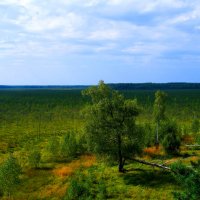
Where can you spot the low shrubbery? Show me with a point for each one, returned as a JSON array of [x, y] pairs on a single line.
[[171, 140], [10, 171], [67, 147], [34, 158], [88, 185], [189, 179]]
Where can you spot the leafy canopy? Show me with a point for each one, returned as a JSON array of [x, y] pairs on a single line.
[[110, 123]]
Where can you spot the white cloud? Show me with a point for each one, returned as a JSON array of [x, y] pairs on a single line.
[[191, 16], [147, 52], [43, 26], [104, 35]]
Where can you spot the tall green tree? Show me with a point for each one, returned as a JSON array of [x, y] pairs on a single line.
[[110, 124], [159, 111]]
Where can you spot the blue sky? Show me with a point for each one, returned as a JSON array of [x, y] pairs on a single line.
[[64, 42]]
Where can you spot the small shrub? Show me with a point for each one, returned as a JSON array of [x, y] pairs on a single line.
[[101, 190], [82, 146], [69, 146], [195, 126], [149, 135], [171, 141], [9, 175], [86, 186], [34, 158], [189, 179], [53, 147], [78, 188]]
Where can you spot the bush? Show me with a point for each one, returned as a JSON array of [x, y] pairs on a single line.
[[149, 135], [77, 188], [171, 140], [9, 175], [82, 146], [34, 158], [189, 179], [53, 147], [195, 126], [86, 186], [69, 146]]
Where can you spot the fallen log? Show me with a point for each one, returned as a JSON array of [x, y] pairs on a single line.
[[152, 164], [192, 145]]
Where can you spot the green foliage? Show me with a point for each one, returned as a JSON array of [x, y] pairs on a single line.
[[171, 140], [34, 158], [53, 147], [195, 126], [159, 106], [69, 145], [149, 134], [159, 111], [87, 186], [189, 179], [110, 124], [9, 175], [82, 146]]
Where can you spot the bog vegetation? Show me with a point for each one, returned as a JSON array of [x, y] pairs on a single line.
[[99, 143]]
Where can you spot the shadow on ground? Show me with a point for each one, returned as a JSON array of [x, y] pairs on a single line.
[[148, 178]]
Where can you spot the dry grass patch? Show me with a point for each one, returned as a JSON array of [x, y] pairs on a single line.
[[188, 139], [153, 151], [192, 158], [69, 169], [55, 190]]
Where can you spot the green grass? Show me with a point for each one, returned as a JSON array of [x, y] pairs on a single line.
[[139, 182]]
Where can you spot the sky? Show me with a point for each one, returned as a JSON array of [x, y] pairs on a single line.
[[74, 42]]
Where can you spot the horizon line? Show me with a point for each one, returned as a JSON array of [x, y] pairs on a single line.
[[63, 85]]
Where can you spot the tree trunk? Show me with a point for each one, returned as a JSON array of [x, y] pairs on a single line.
[[121, 167], [120, 158], [157, 140]]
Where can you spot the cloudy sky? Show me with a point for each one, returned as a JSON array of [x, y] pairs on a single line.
[[83, 41]]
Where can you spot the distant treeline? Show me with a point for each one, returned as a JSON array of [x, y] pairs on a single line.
[[43, 86], [154, 86], [116, 86]]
